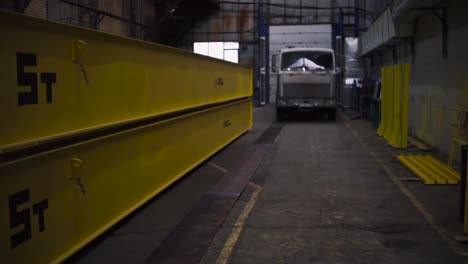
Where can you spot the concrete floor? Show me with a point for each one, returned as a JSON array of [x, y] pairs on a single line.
[[134, 239], [324, 199]]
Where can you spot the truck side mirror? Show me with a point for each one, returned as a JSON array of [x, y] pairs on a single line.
[[274, 62]]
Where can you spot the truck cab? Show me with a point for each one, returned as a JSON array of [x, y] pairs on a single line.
[[306, 81]]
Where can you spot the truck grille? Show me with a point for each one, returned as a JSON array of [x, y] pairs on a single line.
[[295, 90]]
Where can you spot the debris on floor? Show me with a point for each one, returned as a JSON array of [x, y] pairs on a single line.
[[420, 145]]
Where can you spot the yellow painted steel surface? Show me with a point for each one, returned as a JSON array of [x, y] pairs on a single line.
[[86, 79], [90, 186], [387, 100], [395, 96], [429, 169], [55, 200], [465, 224]]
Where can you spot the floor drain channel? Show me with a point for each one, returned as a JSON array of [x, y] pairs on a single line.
[[269, 136]]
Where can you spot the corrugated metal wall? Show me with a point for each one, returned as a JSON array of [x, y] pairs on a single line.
[[439, 86]]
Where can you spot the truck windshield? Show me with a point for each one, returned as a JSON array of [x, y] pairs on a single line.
[[306, 60]]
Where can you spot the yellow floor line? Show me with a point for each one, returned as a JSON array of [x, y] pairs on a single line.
[[416, 203], [238, 226], [216, 166]]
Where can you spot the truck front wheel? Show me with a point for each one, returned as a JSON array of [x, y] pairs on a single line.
[[332, 114]]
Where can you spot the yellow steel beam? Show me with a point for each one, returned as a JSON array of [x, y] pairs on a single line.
[[395, 95], [60, 80], [405, 85], [427, 172], [390, 100], [442, 166], [394, 135], [430, 169], [440, 179], [56, 202], [441, 174], [94, 125], [416, 169]]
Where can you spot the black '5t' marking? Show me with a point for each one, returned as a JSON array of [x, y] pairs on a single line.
[[30, 79]]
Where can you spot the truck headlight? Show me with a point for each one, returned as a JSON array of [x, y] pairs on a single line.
[[283, 102]]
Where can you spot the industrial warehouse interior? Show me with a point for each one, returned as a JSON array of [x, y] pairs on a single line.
[[240, 131]]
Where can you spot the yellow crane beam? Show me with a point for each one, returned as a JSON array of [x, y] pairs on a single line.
[[94, 125]]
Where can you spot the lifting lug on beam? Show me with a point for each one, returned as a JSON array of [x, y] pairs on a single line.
[[78, 49]]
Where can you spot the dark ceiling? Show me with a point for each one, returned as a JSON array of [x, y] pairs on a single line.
[[178, 17]]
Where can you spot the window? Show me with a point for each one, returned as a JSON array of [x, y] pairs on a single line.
[[228, 51], [311, 60]]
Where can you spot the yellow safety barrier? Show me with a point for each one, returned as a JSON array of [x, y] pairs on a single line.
[[92, 129], [429, 169], [395, 95]]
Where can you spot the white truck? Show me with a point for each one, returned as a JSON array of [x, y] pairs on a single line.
[[305, 81]]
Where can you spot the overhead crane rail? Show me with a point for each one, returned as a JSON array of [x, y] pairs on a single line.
[[94, 125]]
